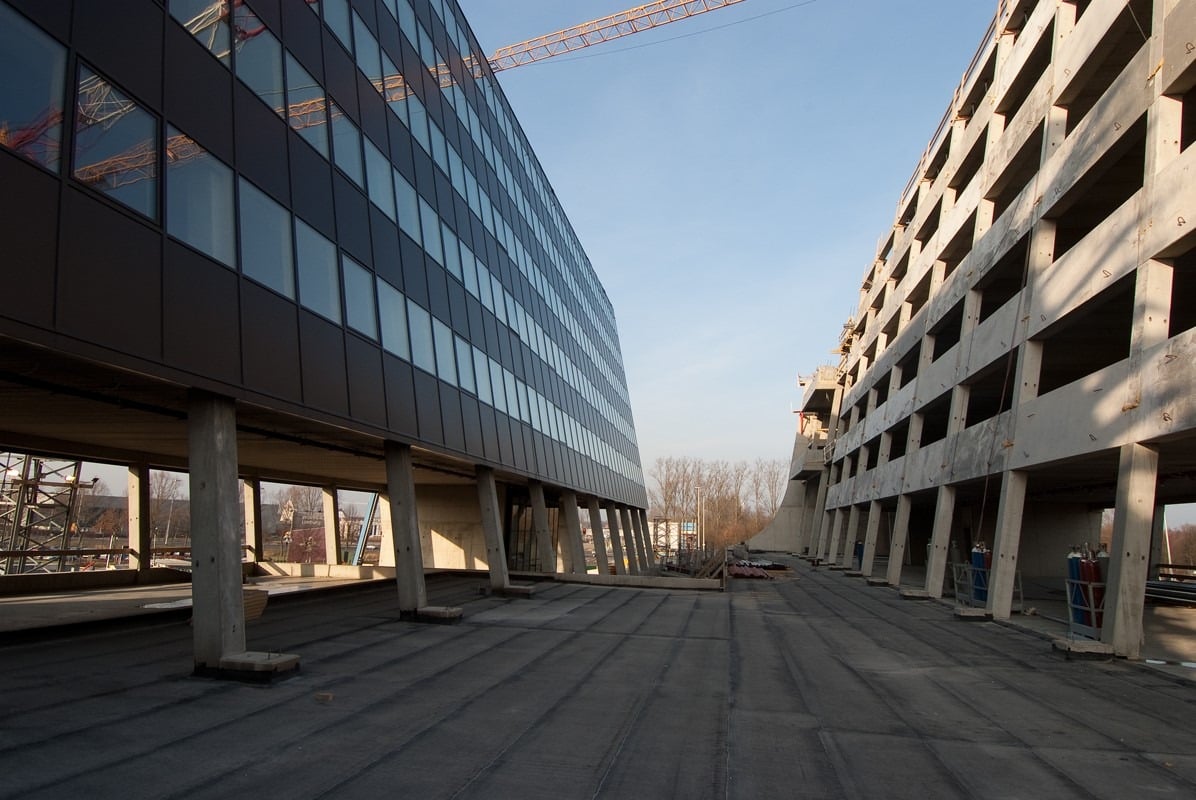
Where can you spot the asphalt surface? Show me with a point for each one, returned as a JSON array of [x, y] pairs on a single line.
[[809, 686]]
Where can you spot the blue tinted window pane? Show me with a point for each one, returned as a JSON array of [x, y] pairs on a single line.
[[259, 58], [430, 224], [464, 364], [496, 380], [446, 362], [423, 354], [116, 145], [481, 369], [369, 55], [359, 298], [346, 145], [336, 17], [394, 89], [408, 202], [306, 107], [392, 316], [452, 251], [207, 21], [266, 240], [418, 124], [199, 198], [319, 279], [407, 20], [31, 108], [469, 271], [379, 179]]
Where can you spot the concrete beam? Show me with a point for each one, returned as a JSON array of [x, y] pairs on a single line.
[[403, 518], [496, 551]]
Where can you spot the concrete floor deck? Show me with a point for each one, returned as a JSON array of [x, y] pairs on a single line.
[[812, 685]]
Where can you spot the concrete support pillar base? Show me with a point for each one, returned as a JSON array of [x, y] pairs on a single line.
[[914, 594], [252, 667], [1083, 649], [972, 614], [872, 581], [433, 615]]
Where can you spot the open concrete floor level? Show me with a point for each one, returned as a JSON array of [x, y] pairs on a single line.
[[812, 685]]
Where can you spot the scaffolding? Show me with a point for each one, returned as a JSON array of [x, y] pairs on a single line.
[[38, 505]]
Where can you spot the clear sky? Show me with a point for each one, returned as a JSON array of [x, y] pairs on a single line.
[[730, 177]]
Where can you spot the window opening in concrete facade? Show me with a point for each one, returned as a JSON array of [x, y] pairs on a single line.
[[946, 331], [31, 108], [990, 391], [1119, 174], [969, 165], [1183, 293], [909, 365], [1081, 7], [1028, 76], [936, 417], [872, 447], [960, 245], [1004, 280], [899, 439], [980, 84], [900, 269], [1018, 173], [1089, 338], [1187, 124], [1116, 49], [882, 389], [111, 125], [931, 225]]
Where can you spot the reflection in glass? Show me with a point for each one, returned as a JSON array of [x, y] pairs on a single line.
[[207, 21], [430, 224], [395, 91], [500, 396], [266, 254], [481, 369], [392, 314], [452, 252], [464, 364], [369, 54], [419, 321], [418, 124], [199, 198], [359, 298], [31, 107], [336, 17], [346, 145], [319, 280], [259, 57], [306, 109], [116, 145]]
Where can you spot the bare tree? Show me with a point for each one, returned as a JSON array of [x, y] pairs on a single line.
[[169, 519]]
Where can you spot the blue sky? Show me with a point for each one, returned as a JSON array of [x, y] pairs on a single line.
[[730, 176]]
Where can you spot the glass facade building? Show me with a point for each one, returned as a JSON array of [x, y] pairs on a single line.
[[319, 208]]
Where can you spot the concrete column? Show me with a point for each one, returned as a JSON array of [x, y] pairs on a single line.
[[817, 516], [900, 537], [332, 526], [251, 493], [836, 536], [631, 523], [545, 555], [633, 561], [599, 539], [1129, 557], [849, 536], [218, 607], [1002, 577], [572, 544], [616, 546], [805, 530], [649, 544], [496, 551], [940, 540], [871, 532], [404, 528], [141, 538], [386, 548]]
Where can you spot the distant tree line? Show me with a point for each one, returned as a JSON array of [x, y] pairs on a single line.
[[733, 499]]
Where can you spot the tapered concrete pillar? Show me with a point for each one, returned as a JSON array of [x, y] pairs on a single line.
[[404, 526], [141, 538], [332, 526], [616, 546], [646, 533], [251, 494], [496, 551], [1002, 576], [386, 548], [572, 545], [875, 511], [836, 536], [850, 535], [1133, 519], [900, 537], [596, 534], [633, 560], [940, 540], [218, 608], [545, 555]]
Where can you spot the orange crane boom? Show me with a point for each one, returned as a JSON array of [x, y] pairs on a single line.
[[624, 23]]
